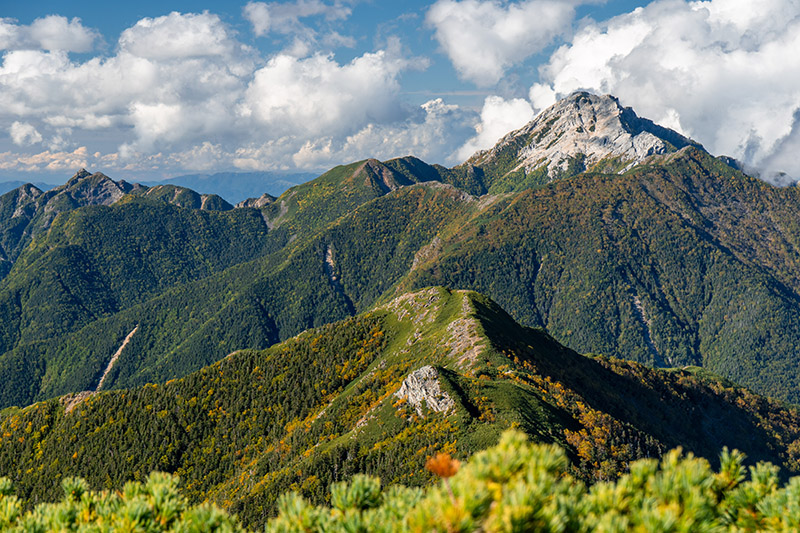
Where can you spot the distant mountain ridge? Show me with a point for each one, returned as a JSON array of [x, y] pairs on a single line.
[[679, 260], [236, 187], [6, 186], [27, 211]]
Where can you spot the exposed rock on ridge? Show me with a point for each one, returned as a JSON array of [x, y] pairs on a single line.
[[28, 211], [582, 132], [262, 201], [183, 197], [94, 189], [421, 387], [380, 177]]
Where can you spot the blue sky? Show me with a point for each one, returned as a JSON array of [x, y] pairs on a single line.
[[370, 24], [155, 89]]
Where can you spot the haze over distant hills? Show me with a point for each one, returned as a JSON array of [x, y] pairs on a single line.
[[238, 186], [6, 186]]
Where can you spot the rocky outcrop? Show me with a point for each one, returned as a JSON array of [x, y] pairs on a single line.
[[183, 197], [378, 176], [427, 253], [422, 388], [92, 189], [578, 133], [71, 401], [24, 200], [28, 211], [262, 201]]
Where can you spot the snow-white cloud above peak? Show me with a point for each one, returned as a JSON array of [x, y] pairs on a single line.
[[484, 38], [719, 70], [314, 83], [498, 117]]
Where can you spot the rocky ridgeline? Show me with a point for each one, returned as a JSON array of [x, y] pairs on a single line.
[[262, 201], [94, 189], [583, 130], [81, 190], [28, 211]]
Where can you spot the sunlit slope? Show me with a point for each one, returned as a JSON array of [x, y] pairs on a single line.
[[184, 326], [430, 371]]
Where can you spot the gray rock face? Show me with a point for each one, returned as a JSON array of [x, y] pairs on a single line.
[[25, 200], [95, 189], [263, 200], [421, 387], [584, 130], [28, 211]]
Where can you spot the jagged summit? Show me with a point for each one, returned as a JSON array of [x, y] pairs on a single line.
[[28, 211], [85, 188], [581, 132], [262, 201], [81, 173]]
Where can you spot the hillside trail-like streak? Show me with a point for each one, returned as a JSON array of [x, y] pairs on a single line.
[[115, 357]]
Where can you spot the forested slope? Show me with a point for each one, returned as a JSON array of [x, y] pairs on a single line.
[[670, 257], [432, 371], [199, 284], [681, 262]]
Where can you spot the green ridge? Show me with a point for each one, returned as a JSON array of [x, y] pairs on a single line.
[[321, 407]]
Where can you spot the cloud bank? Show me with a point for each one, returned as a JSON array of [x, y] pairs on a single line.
[[48, 33], [186, 91], [484, 38], [721, 71], [182, 91]]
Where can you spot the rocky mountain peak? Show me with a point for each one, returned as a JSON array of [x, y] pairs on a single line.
[[581, 132], [380, 177], [94, 189], [82, 173]]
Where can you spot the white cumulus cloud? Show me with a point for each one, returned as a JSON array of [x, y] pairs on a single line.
[[183, 92], [52, 32], [319, 96], [23, 134], [431, 134], [484, 38], [498, 117], [174, 79], [259, 16], [284, 17], [178, 35], [722, 71]]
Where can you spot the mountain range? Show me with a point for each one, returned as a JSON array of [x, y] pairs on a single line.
[[237, 186], [6, 186], [589, 230]]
